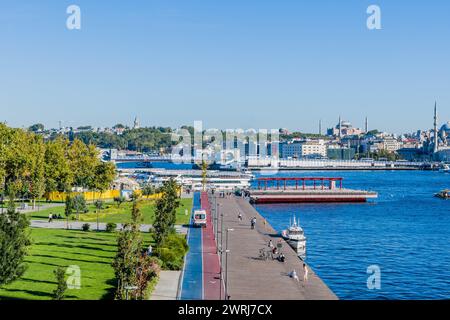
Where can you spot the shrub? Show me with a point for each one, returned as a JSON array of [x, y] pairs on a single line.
[[60, 274], [111, 227], [86, 227], [172, 252]]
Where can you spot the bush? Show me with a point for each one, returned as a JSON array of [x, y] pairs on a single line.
[[86, 227], [173, 251], [111, 227]]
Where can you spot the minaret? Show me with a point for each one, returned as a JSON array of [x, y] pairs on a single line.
[[320, 127], [340, 132], [136, 124], [367, 125], [436, 138]]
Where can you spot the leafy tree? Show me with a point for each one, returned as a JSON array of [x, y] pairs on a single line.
[[83, 161], [99, 204], [148, 190], [38, 127], [75, 204], [165, 213], [127, 260], [58, 174], [105, 172], [14, 242], [60, 274], [119, 200]]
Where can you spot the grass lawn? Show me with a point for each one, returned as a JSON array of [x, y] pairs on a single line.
[[112, 213], [92, 252]]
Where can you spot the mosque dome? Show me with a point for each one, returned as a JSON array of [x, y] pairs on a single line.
[[446, 128]]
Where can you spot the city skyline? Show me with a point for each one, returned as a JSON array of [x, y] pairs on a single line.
[[231, 65]]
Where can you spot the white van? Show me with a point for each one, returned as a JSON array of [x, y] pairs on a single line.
[[199, 218]]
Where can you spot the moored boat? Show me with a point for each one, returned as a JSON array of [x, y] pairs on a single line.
[[444, 194], [295, 237]]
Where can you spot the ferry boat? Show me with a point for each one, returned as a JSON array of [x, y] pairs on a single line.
[[295, 237], [444, 194], [216, 180]]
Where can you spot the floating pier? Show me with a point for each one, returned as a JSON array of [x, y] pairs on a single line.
[[306, 189], [245, 276]]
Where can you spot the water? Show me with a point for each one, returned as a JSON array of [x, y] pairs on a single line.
[[405, 232]]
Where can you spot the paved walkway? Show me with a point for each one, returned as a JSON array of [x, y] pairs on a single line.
[[201, 272], [192, 275], [77, 225], [250, 278], [167, 286]]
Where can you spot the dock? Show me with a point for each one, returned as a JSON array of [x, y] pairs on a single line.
[[244, 274], [306, 189]]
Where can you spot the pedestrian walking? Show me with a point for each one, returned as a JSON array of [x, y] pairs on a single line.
[[50, 217], [240, 216], [252, 223], [305, 274], [270, 245]]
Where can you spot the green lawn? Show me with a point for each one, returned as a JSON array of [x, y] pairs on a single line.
[[112, 213], [92, 252]]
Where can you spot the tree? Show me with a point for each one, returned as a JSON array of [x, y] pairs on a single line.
[[83, 161], [75, 204], [60, 274], [58, 175], [38, 127], [126, 262], [105, 172], [14, 242], [148, 190], [165, 213], [119, 200]]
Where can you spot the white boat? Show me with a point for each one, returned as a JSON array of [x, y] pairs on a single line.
[[295, 236], [445, 168]]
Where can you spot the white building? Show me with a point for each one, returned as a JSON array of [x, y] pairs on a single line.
[[304, 149]]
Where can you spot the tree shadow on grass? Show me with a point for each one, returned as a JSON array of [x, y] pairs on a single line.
[[30, 292], [64, 252], [68, 259], [109, 295], [79, 246], [84, 237]]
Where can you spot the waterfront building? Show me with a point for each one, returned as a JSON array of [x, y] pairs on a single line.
[[337, 152], [304, 149]]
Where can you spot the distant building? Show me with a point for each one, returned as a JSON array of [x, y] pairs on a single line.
[[337, 152], [304, 149], [344, 128]]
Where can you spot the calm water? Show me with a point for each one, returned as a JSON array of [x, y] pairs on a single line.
[[406, 232]]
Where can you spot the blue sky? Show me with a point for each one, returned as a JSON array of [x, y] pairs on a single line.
[[232, 64]]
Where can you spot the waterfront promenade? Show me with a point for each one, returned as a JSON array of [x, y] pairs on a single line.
[[250, 278]]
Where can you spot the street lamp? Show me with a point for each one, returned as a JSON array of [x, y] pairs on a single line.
[[226, 264]]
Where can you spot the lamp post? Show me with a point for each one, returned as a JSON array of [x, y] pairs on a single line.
[[217, 226], [226, 264]]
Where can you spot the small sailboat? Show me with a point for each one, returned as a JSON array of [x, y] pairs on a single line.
[[295, 236]]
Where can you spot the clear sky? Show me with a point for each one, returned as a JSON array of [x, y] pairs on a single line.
[[230, 63]]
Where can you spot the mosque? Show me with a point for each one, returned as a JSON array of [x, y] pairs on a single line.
[[441, 140]]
